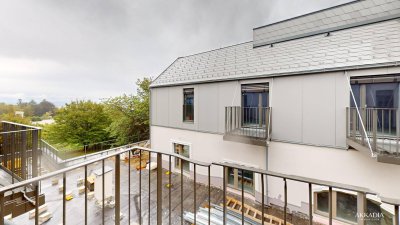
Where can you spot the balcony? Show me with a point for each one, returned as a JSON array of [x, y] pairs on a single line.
[[126, 193], [250, 125], [375, 131]]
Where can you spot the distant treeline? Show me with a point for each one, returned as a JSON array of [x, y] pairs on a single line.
[[32, 111]]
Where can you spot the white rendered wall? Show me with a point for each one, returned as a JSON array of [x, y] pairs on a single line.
[[206, 147], [347, 167]]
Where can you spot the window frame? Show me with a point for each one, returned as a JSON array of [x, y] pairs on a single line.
[[186, 91]]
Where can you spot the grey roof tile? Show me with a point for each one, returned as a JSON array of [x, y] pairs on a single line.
[[345, 16], [369, 44]]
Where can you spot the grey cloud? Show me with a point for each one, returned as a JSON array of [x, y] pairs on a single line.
[[98, 48]]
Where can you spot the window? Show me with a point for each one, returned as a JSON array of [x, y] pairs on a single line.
[[254, 104], [184, 151], [235, 178], [345, 207], [188, 105]]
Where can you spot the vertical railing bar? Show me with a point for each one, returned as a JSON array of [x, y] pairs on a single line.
[[64, 203], [194, 192], [285, 206], [242, 184], [86, 205], [181, 190], [224, 194], [262, 199], [159, 188], [117, 189], [37, 203], [103, 193], [396, 215], [209, 195], [169, 190], [310, 212], [149, 205], [140, 187], [129, 186], [330, 205], [2, 207]]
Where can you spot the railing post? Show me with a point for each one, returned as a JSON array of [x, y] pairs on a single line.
[[2, 209], [361, 207], [159, 188], [117, 189], [397, 130], [35, 137], [374, 129], [37, 203], [396, 215], [330, 201], [23, 155], [310, 208], [354, 124]]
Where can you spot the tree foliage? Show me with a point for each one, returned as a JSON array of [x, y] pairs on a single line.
[[79, 123], [130, 114]]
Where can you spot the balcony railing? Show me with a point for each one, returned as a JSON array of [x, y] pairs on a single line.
[[153, 197], [376, 129], [250, 122], [19, 150]]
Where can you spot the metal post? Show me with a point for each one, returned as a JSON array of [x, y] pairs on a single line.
[[396, 215], [209, 195], [149, 205], [23, 155], [86, 205], [169, 191], [285, 195], [330, 205], [242, 184], [194, 192], [159, 188], [140, 187], [64, 203], [103, 192], [37, 203], [2, 207], [374, 129], [224, 195], [310, 208], [181, 190], [117, 189], [129, 187], [35, 138], [262, 199]]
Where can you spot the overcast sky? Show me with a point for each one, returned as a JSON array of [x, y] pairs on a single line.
[[93, 49]]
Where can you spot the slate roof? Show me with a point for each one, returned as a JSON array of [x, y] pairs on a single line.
[[355, 13], [368, 45]]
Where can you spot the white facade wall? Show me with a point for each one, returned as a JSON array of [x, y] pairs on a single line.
[[308, 132]]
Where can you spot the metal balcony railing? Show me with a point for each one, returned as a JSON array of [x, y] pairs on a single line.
[[19, 150], [375, 128], [251, 122], [141, 208]]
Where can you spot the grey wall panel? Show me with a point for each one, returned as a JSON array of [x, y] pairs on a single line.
[[287, 109], [153, 105], [229, 95], [175, 107], [208, 107], [318, 99], [342, 101], [162, 101]]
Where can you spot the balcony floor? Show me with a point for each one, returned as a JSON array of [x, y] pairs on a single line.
[[75, 207]]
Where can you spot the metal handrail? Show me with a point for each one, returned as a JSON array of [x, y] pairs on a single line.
[[285, 177]]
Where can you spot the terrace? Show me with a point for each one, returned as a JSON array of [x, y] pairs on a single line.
[[132, 195]]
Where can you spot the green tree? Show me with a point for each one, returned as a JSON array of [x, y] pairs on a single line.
[[11, 117], [43, 107], [130, 114], [79, 123]]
